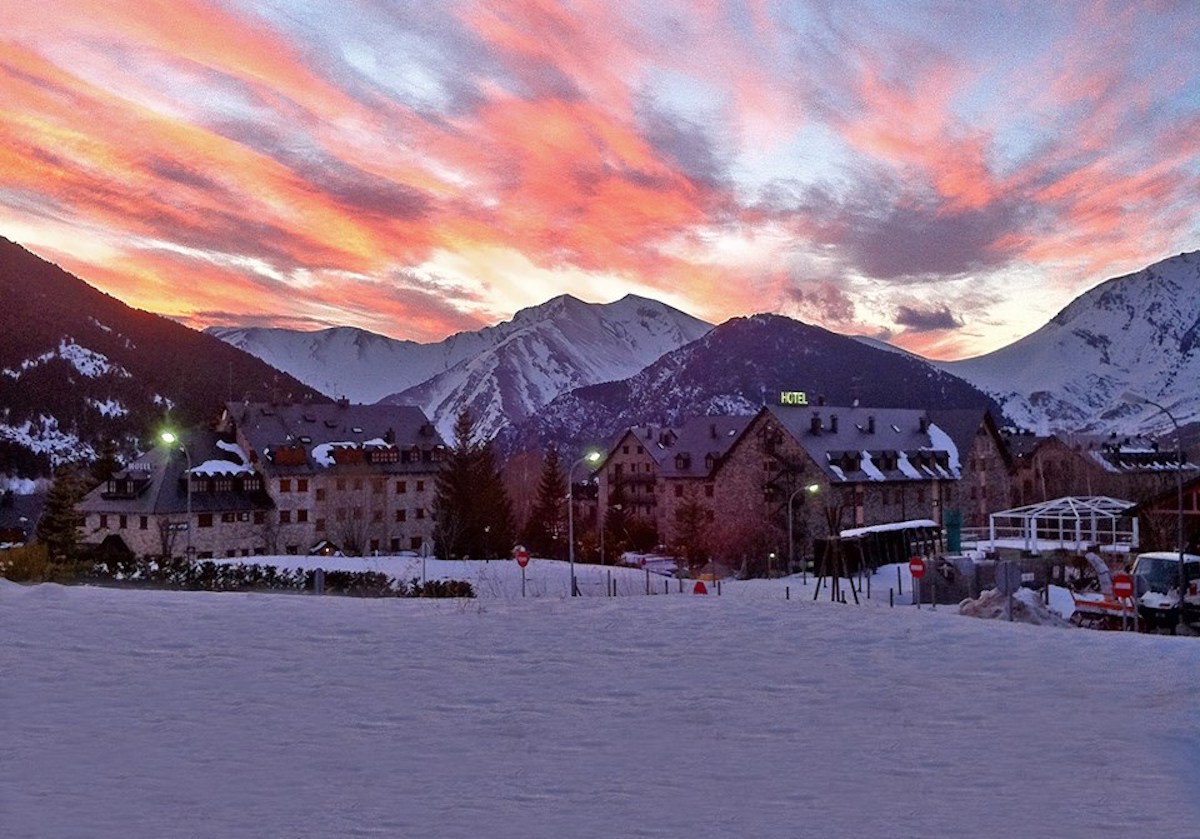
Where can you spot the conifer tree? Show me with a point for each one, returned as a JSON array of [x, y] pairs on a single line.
[[545, 532], [59, 526], [106, 463], [474, 512]]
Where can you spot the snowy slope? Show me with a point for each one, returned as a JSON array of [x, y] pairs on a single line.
[[149, 714], [1140, 332], [350, 362], [548, 350]]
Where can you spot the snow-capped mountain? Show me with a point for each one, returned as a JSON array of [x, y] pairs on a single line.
[[737, 368], [548, 350], [80, 369], [1138, 333], [346, 361]]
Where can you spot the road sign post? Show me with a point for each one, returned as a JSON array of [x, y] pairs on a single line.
[[521, 555], [916, 567], [1122, 587]]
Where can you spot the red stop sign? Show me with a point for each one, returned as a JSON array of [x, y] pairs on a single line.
[[522, 556], [916, 567], [1122, 586]]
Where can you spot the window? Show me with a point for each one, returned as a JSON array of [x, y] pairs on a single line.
[[624, 449], [122, 521], [251, 484], [395, 546], [223, 483], [679, 490], [377, 515], [341, 514], [357, 513], [401, 515], [340, 484], [358, 484], [293, 549], [302, 516], [143, 522], [320, 525], [377, 485], [231, 552], [285, 516], [302, 485], [420, 512], [204, 520], [285, 484], [374, 546], [420, 486], [260, 517], [103, 521], [401, 487], [204, 555], [414, 543], [320, 493], [228, 518]]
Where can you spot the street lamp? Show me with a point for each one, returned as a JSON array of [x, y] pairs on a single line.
[[1137, 399], [812, 490], [170, 438], [590, 457]]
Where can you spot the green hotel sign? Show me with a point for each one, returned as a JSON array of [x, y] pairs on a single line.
[[793, 397]]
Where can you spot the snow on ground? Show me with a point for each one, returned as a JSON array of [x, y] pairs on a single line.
[[151, 713]]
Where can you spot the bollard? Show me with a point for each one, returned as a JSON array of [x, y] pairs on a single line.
[[892, 598], [787, 592], [647, 581], [608, 586], [868, 586], [718, 588], [666, 586], [899, 581], [319, 581]]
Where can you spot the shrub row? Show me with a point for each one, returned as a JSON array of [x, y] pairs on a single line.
[[211, 576]]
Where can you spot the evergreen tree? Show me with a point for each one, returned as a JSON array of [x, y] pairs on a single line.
[[545, 532], [474, 513], [60, 522]]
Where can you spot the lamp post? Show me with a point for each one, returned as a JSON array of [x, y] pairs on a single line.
[[590, 457], [1137, 399], [811, 489], [170, 439]]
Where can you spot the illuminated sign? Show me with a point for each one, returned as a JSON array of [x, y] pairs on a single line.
[[793, 397]]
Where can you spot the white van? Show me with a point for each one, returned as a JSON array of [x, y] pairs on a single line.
[[1156, 583]]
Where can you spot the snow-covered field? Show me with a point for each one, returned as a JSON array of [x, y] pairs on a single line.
[[152, 714]]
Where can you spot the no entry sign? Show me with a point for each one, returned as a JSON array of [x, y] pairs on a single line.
[[916, 567], [1122, 586], [521, 555]]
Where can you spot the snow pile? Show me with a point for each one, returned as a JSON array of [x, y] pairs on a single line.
[[1027, 607]]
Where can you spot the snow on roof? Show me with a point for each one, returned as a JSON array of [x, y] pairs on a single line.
[[322, 455], [941, 441], [883, 528], [221, 467], [234, 449]]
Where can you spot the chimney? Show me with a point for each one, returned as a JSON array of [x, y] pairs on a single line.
[[343, 402], [923, 424], [833, 423], [871, 424], [821, 399], [815, 425], [712, 430]]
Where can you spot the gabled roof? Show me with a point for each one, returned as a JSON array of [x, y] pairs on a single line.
[[693, 449], [857, 444], [159, 487], [318, 429]]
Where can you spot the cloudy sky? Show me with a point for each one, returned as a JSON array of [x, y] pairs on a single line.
[[946, 175]]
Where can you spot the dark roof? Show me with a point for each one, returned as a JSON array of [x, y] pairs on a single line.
[[850, 444], [21, 512], [158, 485], [692, 449], [270, 427]]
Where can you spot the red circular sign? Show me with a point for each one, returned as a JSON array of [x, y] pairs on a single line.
[[916, 567], [1122, 586], [522, 556]]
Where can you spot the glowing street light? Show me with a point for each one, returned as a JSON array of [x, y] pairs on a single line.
[[590, 457], [170, 438], [811, 489]]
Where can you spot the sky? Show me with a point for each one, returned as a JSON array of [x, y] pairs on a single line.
[[943, 175]]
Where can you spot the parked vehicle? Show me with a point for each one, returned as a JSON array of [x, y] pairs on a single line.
[[1156, 581]]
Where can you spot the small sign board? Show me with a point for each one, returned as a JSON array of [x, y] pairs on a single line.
[[1008, 576], [1122, 586], [521, 555], [916, 567]]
